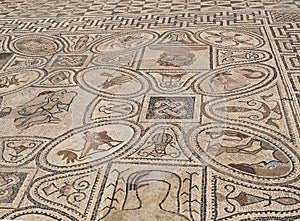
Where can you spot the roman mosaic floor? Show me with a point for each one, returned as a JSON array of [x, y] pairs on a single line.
[[150, 110]]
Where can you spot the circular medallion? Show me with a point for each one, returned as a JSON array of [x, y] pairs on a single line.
[[113, 81], [36, 45]]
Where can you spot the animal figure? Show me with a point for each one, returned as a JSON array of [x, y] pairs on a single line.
[[161, 144], [93, 141], [4, 111], [6, 82], [128, 41], [96, 139], [43, 108], [118, 80], [68, 155], [245, 146]]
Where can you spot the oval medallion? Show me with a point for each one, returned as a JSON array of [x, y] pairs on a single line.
[[234, 80], [18, 80], [113, 81], [125, 41], [234, 150], [230, 38], [36, 45], [90, 145]]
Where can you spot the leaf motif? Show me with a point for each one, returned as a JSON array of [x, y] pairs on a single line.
[[286, 201]]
